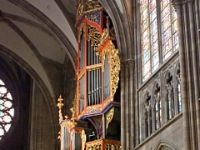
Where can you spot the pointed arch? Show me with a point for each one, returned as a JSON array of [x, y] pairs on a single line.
[[165, 145]]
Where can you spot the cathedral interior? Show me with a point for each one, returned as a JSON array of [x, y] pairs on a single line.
[[99, 75]]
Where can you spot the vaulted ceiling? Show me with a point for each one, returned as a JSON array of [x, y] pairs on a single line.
[[35, 29], [31, 30]]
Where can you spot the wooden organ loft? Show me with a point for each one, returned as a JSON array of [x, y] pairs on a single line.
[[95, 121]]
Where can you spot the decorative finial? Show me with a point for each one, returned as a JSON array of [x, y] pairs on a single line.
[[60, 105]]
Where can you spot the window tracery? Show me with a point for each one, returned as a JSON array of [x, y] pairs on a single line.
[[163, 102], [157, 15], [6, 109], [158, 108], [178, 85], [148, 114], [170, 97]]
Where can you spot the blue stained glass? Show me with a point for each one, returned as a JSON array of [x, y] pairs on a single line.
[[179, 98], [153, 15], [166, 35], [166, 23], [146, 56], [155, 59], [154, 25]]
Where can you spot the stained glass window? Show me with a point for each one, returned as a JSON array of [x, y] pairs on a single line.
[[6, 109], [149, 29], [179, 98], [169, 108], [169, 28], [150, 52]]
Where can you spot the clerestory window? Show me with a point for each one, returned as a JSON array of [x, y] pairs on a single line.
[[159, 37]]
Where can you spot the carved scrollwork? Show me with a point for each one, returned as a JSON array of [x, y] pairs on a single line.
[[79, 13], [111, 144], [92, 5], [104, 37], [94, 109], [84, 138], [94, 36], [74, 108], [114, 64], [109, 117], [94, 145], [66, 124]]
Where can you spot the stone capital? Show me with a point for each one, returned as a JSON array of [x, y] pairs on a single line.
[[180, 2], [128, 63]]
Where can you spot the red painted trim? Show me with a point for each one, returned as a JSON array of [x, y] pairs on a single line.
[[85, 64], [94, 25], [105, 44]]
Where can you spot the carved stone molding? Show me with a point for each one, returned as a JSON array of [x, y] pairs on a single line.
[[128, 63], [180, 2]]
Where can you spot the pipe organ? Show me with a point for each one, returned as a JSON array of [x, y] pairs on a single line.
[[95, 121]]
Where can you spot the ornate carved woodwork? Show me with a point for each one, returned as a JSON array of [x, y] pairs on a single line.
[[95, 112]]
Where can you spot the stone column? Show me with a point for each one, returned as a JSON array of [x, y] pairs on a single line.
[[123, 129], [127, 104], [132, 84], [195, 70], [182, 56], [41, 124]]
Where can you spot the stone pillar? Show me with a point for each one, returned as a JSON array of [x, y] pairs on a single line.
[[127, 105], [41, 124], [123, 129], [195, 72], [184, 92], [132, 84]]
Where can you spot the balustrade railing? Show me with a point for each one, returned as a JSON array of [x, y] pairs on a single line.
[[103, 144]]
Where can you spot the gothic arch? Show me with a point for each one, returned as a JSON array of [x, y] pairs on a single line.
[[71, 51], [122, 30], [48, 97], [156, 87], [165, 145]]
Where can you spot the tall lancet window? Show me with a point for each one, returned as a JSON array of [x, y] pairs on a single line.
[[178, 76], [179, 98], [149, 41], [158, 23], [158, 108], [169, 28]]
